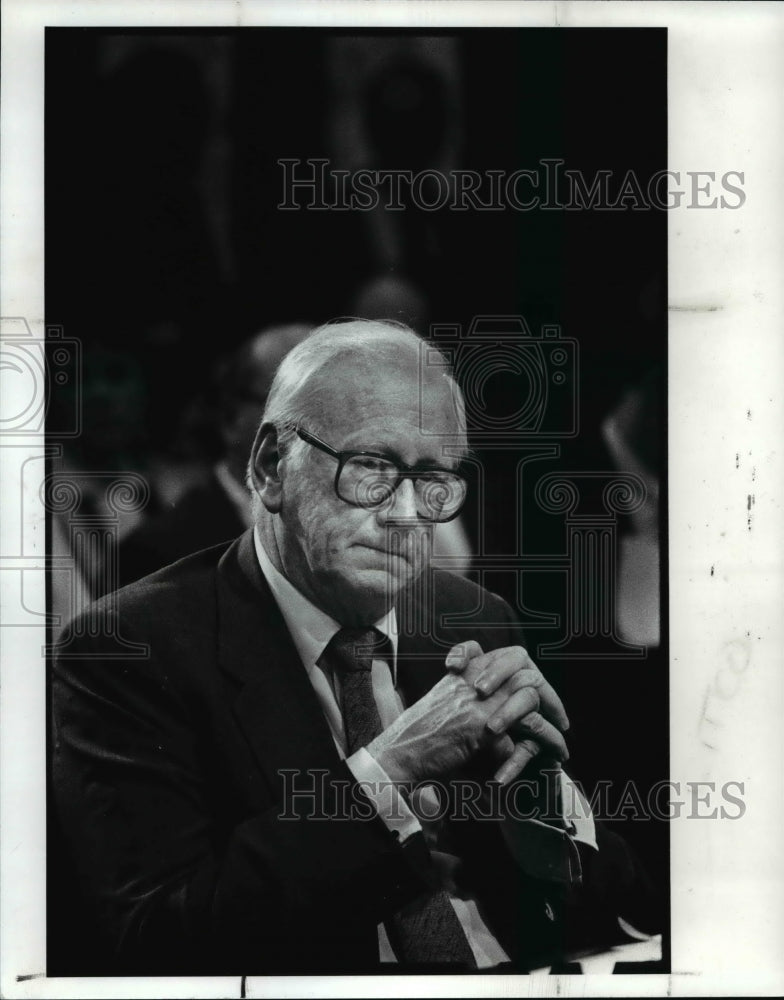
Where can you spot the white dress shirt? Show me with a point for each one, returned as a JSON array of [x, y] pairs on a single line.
[[311, 630]]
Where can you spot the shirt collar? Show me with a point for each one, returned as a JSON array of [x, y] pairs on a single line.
[[310, 627]]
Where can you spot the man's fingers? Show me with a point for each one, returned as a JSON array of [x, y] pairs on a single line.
[[552, 706], [523, 753], [506, 710], [509, 668], [460, 655], [491, 670], [519, 715], [514, 668], [534, 726], [503, 746]]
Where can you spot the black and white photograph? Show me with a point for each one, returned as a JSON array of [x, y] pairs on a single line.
[[390, 541]]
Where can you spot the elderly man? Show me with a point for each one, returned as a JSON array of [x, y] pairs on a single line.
[[220, 507], [256, 795]]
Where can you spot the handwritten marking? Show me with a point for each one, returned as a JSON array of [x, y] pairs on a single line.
[[695, 309], [727, 681]]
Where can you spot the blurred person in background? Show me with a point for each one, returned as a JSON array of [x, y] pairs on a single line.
[[631, 433], [217, 509]]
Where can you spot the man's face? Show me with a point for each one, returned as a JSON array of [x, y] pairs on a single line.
[[349, 561]]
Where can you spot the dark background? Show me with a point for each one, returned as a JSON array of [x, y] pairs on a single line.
[[165, 249]]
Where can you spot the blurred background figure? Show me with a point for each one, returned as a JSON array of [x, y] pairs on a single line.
[[397, 105], [69, 590], [218, 508], [114, 394], [631, 433], [391, 297]]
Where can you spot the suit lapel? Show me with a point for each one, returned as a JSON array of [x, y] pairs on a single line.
[[275, 705]]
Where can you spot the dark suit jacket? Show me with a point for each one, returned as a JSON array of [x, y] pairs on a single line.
[[168, 788], [202, 517]]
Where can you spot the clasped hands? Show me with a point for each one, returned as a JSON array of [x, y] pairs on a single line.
[[498, 700]]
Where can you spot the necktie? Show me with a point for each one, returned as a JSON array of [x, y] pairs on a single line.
[[427, 930]]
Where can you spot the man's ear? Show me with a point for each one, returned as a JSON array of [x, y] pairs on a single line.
[[265, 467]]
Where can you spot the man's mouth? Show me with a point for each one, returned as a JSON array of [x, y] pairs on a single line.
[[394, 551], [384, 550]]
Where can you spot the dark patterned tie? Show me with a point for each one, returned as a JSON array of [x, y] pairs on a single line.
[[427, 930]]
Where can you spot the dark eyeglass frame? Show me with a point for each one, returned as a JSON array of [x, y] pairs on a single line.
[[403, 472]]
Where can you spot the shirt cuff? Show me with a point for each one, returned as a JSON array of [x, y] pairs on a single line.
[[549, 851], [377, 786], [543, 851], [577, 813]]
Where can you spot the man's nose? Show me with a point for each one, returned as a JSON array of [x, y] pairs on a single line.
[[402, 505]]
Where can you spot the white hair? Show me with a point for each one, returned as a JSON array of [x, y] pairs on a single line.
[[363, 342]]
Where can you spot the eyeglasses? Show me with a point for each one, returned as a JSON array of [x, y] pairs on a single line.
[[368, 479]]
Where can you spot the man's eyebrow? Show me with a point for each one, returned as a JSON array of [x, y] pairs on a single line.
[[387, 451], [433, 464]]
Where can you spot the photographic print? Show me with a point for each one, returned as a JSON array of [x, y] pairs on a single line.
[[355, 423]]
